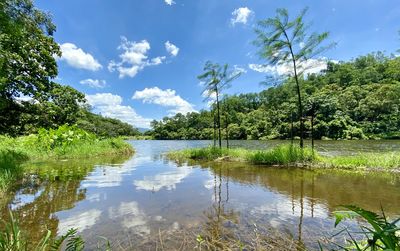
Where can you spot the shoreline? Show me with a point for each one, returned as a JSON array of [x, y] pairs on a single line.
[[17, 154]]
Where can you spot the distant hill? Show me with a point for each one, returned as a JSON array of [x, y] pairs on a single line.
[[143, 130]]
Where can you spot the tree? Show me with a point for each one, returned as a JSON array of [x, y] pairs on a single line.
[[216, 78], [285, 42], [27, 50]]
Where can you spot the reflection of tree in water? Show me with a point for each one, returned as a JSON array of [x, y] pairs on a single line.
[[222, 229], [37, 217], [217, 230], [57, 188], [330, 187]]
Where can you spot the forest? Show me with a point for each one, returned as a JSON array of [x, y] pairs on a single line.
[[359, 99]]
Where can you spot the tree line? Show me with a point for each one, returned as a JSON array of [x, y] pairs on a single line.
[[359, 99]]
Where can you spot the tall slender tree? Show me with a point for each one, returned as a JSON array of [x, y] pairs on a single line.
[[284, 42], [226, 109], [216, 78]]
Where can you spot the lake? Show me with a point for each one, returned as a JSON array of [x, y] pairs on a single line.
[[139, 200]]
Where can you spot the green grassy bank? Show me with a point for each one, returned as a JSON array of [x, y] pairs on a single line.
[[66, 142], [291, 155]]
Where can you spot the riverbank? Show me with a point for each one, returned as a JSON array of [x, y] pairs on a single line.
[[293, 156], [60, 144]]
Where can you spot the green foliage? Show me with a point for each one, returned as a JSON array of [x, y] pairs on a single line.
[[10, 168], [359, 99], [23, 26], [280, 155], [64, 142], [387, 160], [29, 73], [13, 239], [286, 42], [215, 79], [62, 137], [105, 127], [379, 233]]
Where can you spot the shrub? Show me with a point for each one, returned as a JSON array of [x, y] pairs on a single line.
[[63, 136]]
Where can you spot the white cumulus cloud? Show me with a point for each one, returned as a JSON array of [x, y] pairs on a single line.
[[133, 58], [241, 15], [167, 180], [94, 83], [171, 49], [110, 105], [306, 67], [166, 98], [82, 221], [169, 2], [77, 58]]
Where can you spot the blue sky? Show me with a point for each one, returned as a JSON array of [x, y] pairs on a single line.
[[137, 60]]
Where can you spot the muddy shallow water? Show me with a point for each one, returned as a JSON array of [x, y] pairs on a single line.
[[128, 200]]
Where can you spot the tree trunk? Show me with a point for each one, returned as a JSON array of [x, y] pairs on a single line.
[[291, 129], [300, 106], [218, 120], [215, 128], [312, 127], [226, 127], [298, 90]]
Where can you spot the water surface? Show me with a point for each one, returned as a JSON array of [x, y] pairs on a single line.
[[130, 200]]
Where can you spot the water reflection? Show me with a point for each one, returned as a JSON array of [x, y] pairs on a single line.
[[53, 187], [133, 200], [320, 187], [131, 216], [167, 180]]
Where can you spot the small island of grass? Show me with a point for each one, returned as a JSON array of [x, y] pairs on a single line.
[[292, 156]]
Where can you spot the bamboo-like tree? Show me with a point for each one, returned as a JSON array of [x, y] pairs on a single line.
[[216, 78], [284, 42]]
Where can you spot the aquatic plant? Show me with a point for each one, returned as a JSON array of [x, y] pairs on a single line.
[[385, 160], [379, 232], [282, 155], [13, 239], [279, 155]]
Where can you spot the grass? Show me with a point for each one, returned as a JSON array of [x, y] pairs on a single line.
[[30, 147], [387, 161], [289, 155], [66, 142], [10, 168], [280, 155]]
